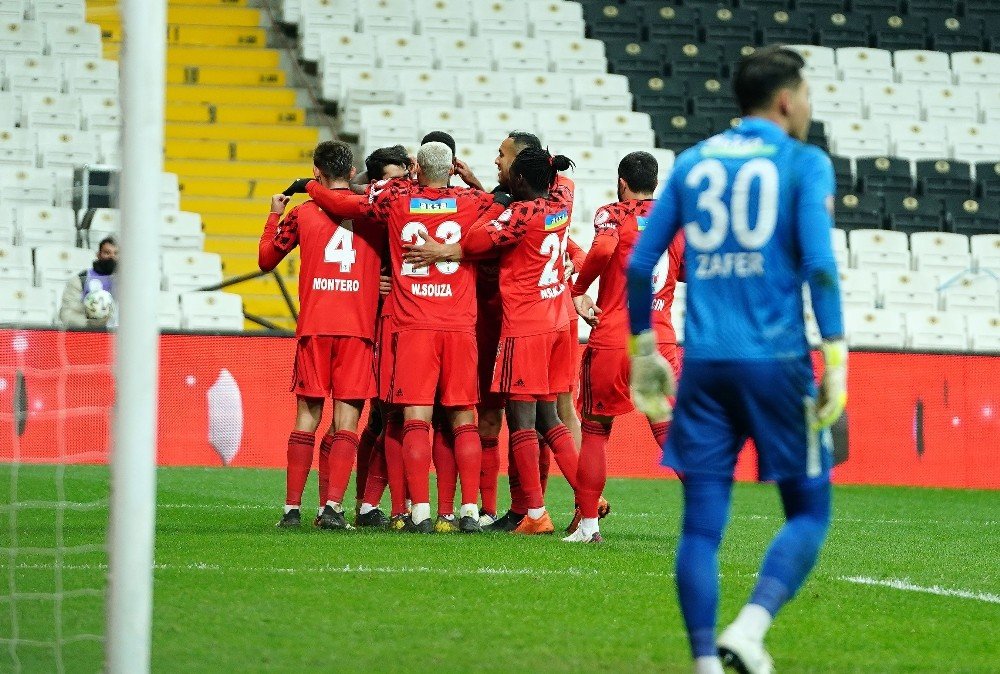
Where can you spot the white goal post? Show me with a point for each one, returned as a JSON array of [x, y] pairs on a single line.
[[142, 65]]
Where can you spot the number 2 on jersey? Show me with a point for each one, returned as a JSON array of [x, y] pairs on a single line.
[[555, 247], [736, 214], [447, 232]]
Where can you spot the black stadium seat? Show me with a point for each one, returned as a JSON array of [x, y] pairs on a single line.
[[607, 19], [893, 31], [665, 21], [841, 29], [821, 6], [973, 216], [878, 6], [633, 56], [988, 180], [944, 178], [923, 7], [857, 211], [692, 59], [884, 176], [729, 25], [783, 27], [717, 107], [843, 173], [959, 38], [912, 214], [680, 132]]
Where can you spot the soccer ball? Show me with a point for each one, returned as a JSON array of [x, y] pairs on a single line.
[[98, 304]]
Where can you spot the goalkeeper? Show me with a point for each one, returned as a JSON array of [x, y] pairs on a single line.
[[755, 204]]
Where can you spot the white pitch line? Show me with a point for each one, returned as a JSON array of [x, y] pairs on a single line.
[[907, 586]]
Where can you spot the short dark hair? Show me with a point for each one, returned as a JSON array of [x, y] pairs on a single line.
[[638, 170], [523, 139], [107, 240], [334, 159], [539, 168], [376, 162], [440, 137], [760, 75]]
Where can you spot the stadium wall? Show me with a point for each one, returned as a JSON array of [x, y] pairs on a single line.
[[914, 419]]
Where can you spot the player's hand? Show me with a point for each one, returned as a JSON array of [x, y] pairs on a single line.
[[426, 252], [833, 386], [652, 378], [297, 187], [587, 310], [568, 267], [278, 203], [463, 171], [384, 285], [502, 198]]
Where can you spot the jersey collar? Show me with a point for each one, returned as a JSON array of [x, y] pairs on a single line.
[[763, 128]]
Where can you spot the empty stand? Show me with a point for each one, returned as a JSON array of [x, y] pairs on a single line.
[[211, 311]]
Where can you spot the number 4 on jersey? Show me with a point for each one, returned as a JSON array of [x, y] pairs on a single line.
[[340, 249]]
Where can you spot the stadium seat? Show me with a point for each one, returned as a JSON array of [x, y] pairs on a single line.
[[879, 250], [874, 328], [403, 52], [941, 253], [549, 20], [863, 64], [91, 76], [499, 18], [634, 57], [903, 290], [325, 15], [592, 164], [989, 104], [623, 128], [858, 211], [13, 11], [680, 132], [181, 230], [15, 264], [724, 24], [892, 101], [495, 124], [687, 60], [41, 225], [950, 103], [988, 179], [168, 311], [885, 176], [601, 92], [944, 178], [665, 23], [211, 311], [17, 147], [481, 156], [383, 125], [954, 35], [520, 54], [844, 174], [82, 40], [461, 126], [101, 112], [386, 16], [976, 67], [858, 138], [50, 110], [920, 66], [783, 27], [26, 73], [56, 264], [443, 17], [935, 331], [821, 62], [986, 252], [66, 148], [577, 56], [858, 289], [58, 11], [911, 214], [894, 32], [972, 293], [974, 142], [840, 251], [480, 90], [377, 86], [919, 140], [837, 100], [984, 332], [425, 87], [28, 185], [972, 216], [343, 49], [461, 53], [22, 38], [186, 270], [607, 20], [543, 90], [104, 222], [566, 127], [25, 306]]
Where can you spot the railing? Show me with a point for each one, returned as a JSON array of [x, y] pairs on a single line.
[[253, 318]]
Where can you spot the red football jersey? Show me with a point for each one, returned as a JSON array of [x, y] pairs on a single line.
[[617, 228], [442, 296], [338, 269], [533, 236]]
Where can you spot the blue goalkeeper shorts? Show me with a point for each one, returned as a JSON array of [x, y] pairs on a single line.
[[720, 404]]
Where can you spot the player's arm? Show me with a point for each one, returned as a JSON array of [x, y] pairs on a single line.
[[601, 250], [463, 171], [814, 222], [576, 254], [341, 204], [652, 379], [279, 236]]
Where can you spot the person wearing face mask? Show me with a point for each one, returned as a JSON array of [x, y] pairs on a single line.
[[100, 276]]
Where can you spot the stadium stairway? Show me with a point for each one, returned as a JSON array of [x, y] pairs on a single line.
[[235, 133]]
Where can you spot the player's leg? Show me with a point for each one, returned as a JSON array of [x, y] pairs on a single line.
[[299, 457], [591, 477], [343, 450], [468, 455], [544, 462], [417, 453], [549, 421], [369, 514], [490, 420], [445, 470], [395, 470], [521, 416], [366, 446]]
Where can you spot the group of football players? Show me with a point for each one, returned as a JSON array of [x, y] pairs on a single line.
[[446, 306]]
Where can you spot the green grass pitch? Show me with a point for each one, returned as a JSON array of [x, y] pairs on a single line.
[[233, 594]]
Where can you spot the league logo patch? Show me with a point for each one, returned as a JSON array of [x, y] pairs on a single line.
[[432, 206], [556, 220], [641, 222]]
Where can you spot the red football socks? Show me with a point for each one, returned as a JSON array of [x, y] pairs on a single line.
[[365, 444], [469, 457], [394, 464], [342, 453], [592, 473], [544, 461], [417, 459], [518, 503], [564, 449], [443, 452], [524, 445], [324, 467], [489, 472], [660, 430], [299, 458], [378, 476]]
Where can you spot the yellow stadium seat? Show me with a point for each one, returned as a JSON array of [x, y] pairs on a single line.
[[222, 75], [244, 132], [231, 245], [223, 95], [261, 151], [209, 206], [198, 149]]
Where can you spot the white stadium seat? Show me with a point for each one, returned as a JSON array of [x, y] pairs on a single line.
[[13, 11], [66, 148], [21, 38], [919, 140], [874, 328], [840, 251], [577, 55], [168, 311], [383, 125], [10, 111], [972, 293], [190, 270], [565, 127], [26, 72], [876, 249], [105, 222], [988, 98], [974, 67], [902, 291], [858, 138], [17, 147], [386, 16], [592, 164], [327, 14], [41, 225], [101, 112], [445, 17], [520, 54], [181, 230], [460, 125], [940, 253], [950, 103], [462, 52], [864, 64], [986, 252], [359, 88], [935, 331], [56, 264], [493, 17], [857, 288], [837, 100], [495, 124], [428, 87], [403, 52], [984, 332], [15, 264], [211, 311], [601, 92], [91, 76], [821, 62], [485, 89], [27, 185], [974, 142], [50, 111], [343, 49], [920, 66], [543, 90], [555, 19], [892, 101], [58, 10], [24, 305], [623, 128], [73, 39]]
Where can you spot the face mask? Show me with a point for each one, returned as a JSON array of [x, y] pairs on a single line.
[[105, 267]]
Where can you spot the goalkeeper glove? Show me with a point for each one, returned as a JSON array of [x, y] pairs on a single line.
[[298, 187], [652, 377], [502, 198], [833, 386]]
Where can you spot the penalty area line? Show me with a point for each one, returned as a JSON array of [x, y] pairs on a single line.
[[907, 586]]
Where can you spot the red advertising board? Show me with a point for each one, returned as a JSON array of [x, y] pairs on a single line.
[[913, 419]]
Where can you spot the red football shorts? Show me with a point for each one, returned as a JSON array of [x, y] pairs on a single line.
[[431, 365], [669, 351], [535, 367], [604, 383], [488, 340], [383, 354], [342, 368]]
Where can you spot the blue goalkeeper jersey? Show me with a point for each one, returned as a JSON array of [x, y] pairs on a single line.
[[756, 207]]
